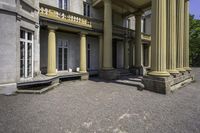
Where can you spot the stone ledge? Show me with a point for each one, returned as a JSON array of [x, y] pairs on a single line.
[[8, 89]]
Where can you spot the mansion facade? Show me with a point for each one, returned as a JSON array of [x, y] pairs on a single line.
[[44, 41]]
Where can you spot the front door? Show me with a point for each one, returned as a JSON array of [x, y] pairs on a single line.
[[62, 52]]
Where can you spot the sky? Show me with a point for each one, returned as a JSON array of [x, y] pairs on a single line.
[[195, 8]]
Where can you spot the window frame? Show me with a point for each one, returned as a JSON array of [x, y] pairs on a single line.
[[86, 9], [63, 4], [26, 42]]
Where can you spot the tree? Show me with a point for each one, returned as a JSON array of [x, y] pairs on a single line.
[[194, 41]]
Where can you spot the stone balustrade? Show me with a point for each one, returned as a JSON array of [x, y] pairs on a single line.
[[64, 16]]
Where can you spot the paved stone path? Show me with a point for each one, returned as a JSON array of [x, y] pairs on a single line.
[[101, 107]]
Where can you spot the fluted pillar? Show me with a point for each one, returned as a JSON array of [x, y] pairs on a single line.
[[138, 44], [171, 36], [158, 66], [186, 38], [83, 62], [180, 34], [51, 68], [126, 54], [107, 46]]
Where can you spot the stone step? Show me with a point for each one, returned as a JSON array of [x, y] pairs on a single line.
[[132, 81]]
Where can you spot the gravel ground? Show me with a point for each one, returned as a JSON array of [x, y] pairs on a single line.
[[101, 107]]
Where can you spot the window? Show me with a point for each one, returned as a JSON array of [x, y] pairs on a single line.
[[144, 25], [128, 23], [26, 54], [63, 4], [86, 8], [145, 55]]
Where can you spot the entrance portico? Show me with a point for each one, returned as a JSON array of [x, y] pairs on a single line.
[[169, 44]]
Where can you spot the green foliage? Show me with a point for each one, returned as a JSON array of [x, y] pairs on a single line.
[[194, 41]]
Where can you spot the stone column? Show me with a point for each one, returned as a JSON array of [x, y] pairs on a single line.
[[171, 36], [131, 54], [51, 68], [186, 37], [180, 34], [107, 46], [126, 54], [158, 64], [100, 51], [83, 62], [138, 44]]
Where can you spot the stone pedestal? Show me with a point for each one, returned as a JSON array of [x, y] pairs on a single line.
[[165, 85], [110, 74], [85, 76]]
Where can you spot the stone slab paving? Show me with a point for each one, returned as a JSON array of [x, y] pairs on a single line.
[[96, 106]]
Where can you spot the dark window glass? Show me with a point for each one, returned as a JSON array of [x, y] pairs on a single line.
[[86, 9], [29, 36], [22, 59], [60, 4], [22, 34], [60, 59], [144, 26], [88, 55], [29, 60], [65, 4], [65, 58]]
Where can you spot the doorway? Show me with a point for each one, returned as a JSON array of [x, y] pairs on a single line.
[[62, 55], [114, 53]]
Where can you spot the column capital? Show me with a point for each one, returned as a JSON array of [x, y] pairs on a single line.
[[83, 33], [107, 1], [52, 27], [139, 13]]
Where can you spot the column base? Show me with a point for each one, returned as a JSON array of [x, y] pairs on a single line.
[[138, 70], [174, 71], [159, 73], [109, 74], [188, 68], [181, 69], [51, 74], [84, 76], [165, 85]]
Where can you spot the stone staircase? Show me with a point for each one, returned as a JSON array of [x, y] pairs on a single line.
[[128, 78], [124, 72]]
